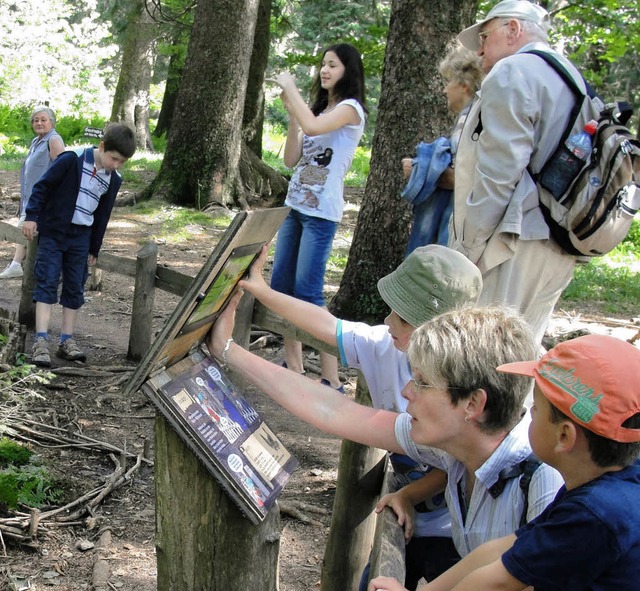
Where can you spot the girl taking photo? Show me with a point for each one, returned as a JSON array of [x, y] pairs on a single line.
[[321, 142]]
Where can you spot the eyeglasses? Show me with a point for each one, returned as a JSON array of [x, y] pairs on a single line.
[[420, 384], [483, 36]]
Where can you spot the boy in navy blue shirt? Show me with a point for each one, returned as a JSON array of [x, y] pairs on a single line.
[[586, 424], [69, 209]]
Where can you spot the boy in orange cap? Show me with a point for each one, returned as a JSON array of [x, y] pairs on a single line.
[[586, 424]]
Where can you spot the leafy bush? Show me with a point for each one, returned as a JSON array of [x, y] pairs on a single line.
[[12, 453], [30, 485], [21, 481], [72, 129]]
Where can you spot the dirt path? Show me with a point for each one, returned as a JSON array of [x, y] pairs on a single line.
[[100, 411], [96, 406]]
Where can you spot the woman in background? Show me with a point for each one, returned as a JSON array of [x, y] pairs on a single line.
[[321, 142], [430, 173], [44, 149]]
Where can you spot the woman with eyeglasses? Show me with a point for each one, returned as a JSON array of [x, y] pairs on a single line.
[[463, 416]]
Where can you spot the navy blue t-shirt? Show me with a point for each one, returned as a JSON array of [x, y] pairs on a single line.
[[587, 539]]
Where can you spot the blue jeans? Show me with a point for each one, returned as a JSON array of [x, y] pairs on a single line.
[[67, 258], [302, 251]]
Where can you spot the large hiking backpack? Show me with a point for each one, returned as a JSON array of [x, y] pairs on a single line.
[[595, 213]]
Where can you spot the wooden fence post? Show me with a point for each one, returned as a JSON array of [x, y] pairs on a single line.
[[143, 298], [388, 553], [353, 521], [27, 309], [203, 542]]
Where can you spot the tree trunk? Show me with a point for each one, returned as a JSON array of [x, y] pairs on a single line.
[[262, 185], [201, 163], [202, 540], [253, 117], [131, 99], [411, 109], [174, 76]]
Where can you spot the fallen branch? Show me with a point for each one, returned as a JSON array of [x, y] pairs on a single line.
[[61, 438], [87, 372], [296, 510], [26, 527], [101, 570]]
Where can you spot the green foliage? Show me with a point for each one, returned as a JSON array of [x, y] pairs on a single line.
[[57, 51], [24, 373], [359, 171], [614, 290], [602, 37], [178, 224], [631, 244], [610, 283], [72, 128], [274, 160], [12, 453], [22, 482], [28, 485], [141, 162]]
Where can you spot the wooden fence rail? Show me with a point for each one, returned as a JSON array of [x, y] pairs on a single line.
[[352, 541]]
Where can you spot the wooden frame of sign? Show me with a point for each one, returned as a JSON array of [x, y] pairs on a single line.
[[195, 396]]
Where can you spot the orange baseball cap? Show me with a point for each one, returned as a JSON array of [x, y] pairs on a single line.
[[594, 380]]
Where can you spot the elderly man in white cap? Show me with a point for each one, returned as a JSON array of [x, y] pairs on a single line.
[[524, 108]]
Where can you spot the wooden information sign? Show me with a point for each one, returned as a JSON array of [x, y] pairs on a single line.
[[193, 393]]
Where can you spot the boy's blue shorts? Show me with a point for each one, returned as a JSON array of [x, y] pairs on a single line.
[[66, 258]]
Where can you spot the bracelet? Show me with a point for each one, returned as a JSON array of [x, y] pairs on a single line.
[[225, 353]]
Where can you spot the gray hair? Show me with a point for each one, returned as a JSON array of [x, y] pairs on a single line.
[[535, 31], [460, 350], [463, 66], [47, 110]]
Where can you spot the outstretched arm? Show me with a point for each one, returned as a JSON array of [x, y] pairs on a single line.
[[314, 403], [316, 320], [482, 569]]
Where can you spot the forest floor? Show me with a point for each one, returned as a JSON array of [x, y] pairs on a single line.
[[115, 544]]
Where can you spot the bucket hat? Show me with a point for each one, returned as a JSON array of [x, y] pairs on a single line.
[[431, 280]]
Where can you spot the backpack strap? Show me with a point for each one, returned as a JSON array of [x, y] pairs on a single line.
[[559, 68], [579, 94], [524, 469], [529, 465]]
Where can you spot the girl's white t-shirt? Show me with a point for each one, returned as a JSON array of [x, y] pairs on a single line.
[[317, 185]]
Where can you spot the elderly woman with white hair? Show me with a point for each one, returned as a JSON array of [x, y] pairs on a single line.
[[44, 149]]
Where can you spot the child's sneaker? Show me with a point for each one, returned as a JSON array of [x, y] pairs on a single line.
[[70, 351], [40, 353], [11, 272]]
